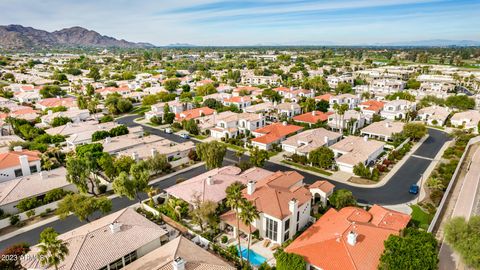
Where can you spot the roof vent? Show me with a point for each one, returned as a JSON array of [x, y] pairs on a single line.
[[43, 175], [178, 264], [210, 180], [18, 148], [352, 238], [115, 227]]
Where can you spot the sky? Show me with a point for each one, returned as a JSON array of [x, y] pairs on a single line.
[[253, 22]]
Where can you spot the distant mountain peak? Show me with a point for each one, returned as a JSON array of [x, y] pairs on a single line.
[[14, 37]]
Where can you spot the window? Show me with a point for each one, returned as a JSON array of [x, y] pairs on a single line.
[[286, 236], [18, 172], [130, 257], [272, 228], [33, 169], [287, 224], [118, 264]]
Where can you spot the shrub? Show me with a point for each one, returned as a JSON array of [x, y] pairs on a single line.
[[436, 196], [106, 118], [54, 195], [177, 125], [14, 220], [224, 239], [118, 131], [156, 120], [100, 135], [27, 204], [102, 189], [30, 213]]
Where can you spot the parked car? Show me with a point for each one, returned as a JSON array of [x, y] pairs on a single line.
[[168, 131], [414, 189], [185, 136]]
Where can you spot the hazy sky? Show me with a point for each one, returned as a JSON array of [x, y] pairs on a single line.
[[230, 22]]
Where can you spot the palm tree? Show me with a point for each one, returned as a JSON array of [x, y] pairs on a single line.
[[235, 200], [52, 250], [248, 215], [239, 154], [151, 191]]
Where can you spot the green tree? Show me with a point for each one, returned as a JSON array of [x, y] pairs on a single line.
[[464, 237], [414, 131], [248, 215], [322, 157], [322, 106], [289, 261], [405, 95], [343, 88], [159, 163], [94, 74], [50, 91], [414, 250], [212, 153], [258, 157], [131, 185], [206, 89], [317, 83], [341, 198], [460, 102], [413, 84], [52, 250], [204, 213], [60, 121], [171, 84], [83, 206], [235, 200], [308, 105]]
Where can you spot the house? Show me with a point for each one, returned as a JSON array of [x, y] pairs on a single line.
[[212, 185], [351, 100], [85, 137], [178, 254], [264, 107], [371, 107], [349, 239], [312, 118], [468, 120], [288, 109], [110, 242], [353, 150], [235, 124], [306, 141], [320, 191], [382, 130], [324, 97], [333, 80], [27, 113], [283, 203], [240, 102], [242, 90], [294, 94], [18, 163], [273, 134], [122, 90], [175, 106], [47, 103], [193, 113], [27, 97], [32, 186], [433, 115], [351, 119], [79, 127], [75, 115], [397, 109]]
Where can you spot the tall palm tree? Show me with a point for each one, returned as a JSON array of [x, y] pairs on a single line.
[[235, 200], [52, 250], [248, 215]]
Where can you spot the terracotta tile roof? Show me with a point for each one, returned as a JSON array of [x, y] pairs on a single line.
[[325, 243], [312, 117], [372, 105], [194, 113], [323, 185], [273, 193], [11, 159], [325, 97], [238, 99], [275, 132], [113, 89]]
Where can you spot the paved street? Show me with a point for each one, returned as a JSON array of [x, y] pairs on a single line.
[[393, 192]]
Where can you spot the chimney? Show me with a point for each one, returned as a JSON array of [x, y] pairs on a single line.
[[43, 175], [24, 165], [210, 180], [177, 98], [292, 107], [387, 124], [313, 113], [200, 112], [50, 112], [260, 116], [153, 151], [284, 123], [398, 98], [293, 206], [352, 238], [115, 227], [108, 139], [178, 264], [250, 187], [135, 156], [365, 138], [325, 139], [18, 148]]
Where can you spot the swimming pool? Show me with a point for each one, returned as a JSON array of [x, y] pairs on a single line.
[[255, 258]]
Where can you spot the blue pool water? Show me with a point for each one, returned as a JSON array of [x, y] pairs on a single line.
[[255, 258]]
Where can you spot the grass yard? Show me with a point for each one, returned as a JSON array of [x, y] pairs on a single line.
[[420, 218], [308, 168], [141, 109], [200, 137]]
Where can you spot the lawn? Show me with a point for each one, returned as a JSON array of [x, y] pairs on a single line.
[[420, 218], [140, 109], [308, 168], [200, 137], [234, 147]]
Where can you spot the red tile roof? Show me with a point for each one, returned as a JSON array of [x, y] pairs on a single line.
[[325, 244], [323, 185], [325, 97], [312, 117], [372, 105], [238, 99], [275, 132], [11, 159], [195, 113], [55, 102]]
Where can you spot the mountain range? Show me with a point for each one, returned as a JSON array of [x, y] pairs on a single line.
[[18, 37]]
